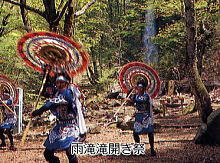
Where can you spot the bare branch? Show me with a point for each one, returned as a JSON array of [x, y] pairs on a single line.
[[1, 7], [5, 22], [24, 16], [83, 10], [62, 13], [60, 5], [41, 13]]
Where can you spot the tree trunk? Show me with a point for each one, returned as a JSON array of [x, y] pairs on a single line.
[[69, 18], [51, 15], [182, 8], [91, 76], [110, 10], [118, 7], [205, 35], [124, 7], [24, 15], [92, 72], [196, 83]]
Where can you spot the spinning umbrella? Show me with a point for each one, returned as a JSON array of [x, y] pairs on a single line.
[[135, 71], [60, 53], [6, 85]]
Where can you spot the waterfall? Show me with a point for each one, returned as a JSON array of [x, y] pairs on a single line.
[[151, 50]]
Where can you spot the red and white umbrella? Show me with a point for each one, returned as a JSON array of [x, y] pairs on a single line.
[[60, 53], [132, 72], [6, 85]]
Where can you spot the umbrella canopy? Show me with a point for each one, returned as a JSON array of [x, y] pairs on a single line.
[[6, 85], [132, 72], [60, 53]]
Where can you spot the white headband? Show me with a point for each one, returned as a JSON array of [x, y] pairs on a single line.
[[140, 85], [61, 78]]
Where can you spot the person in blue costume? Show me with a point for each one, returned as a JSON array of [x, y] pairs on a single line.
[[143, 115], [9, 122], [68, 128]]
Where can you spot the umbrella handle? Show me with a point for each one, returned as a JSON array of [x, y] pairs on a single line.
[[7, 107], [35, 106], [123, 103]]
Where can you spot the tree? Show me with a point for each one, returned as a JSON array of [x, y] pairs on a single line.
[[53, 15], [24, 15], [198, 88], [4, 22]]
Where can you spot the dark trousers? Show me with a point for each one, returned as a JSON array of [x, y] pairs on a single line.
[[8, 132], [51, 158], [150, 136]]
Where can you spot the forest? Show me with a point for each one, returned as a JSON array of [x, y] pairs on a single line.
[[179, 39]]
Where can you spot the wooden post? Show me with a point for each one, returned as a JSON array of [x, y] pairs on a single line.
[[181, 102], [171, 85], [163, 106]]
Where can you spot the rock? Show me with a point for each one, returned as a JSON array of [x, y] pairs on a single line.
[[157, 127], [201, 136], [127, 118], [113, 95], [112, 125], [157, 111], [116, 104], [93, 128], [213, 127], [93, 106], [209, 134], [105, 108]]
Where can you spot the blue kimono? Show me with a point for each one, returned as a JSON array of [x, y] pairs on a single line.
[[143, 116], [66, 130], [10, 119]]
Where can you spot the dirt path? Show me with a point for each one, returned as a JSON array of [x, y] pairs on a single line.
[[173, 143]]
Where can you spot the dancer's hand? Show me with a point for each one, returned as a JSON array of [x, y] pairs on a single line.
[[36, 113], [82, 137]]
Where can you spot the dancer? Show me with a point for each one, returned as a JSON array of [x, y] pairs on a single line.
[[9, 121], [70, 125], [143, 115]]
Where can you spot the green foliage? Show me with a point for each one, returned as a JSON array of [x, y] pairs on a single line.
[[8, 53], [10, 14], [172, 48], [14, 67], [108, 76], [112, 33], [167, 8]]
